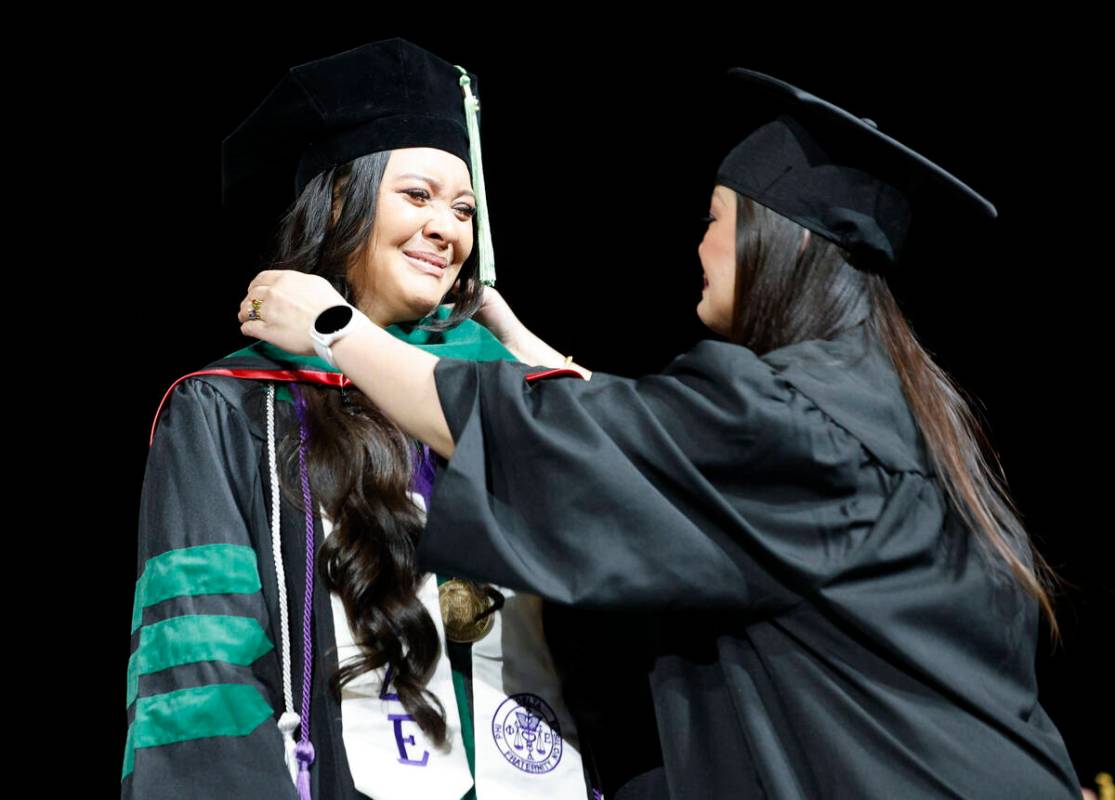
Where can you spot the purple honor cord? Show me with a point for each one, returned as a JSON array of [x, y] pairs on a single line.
[[304, 750], [423, 480]]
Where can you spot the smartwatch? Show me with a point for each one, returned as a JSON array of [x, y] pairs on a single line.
[[330, 325]]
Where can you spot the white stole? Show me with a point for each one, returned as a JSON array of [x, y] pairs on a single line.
[[526, 743]]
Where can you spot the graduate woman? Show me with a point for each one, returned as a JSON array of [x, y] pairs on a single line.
[[285, 643], [822, 585]]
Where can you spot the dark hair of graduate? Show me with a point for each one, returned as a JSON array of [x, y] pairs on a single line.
[[786, 292], [360, 463]]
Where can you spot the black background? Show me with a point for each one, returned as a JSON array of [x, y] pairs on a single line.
[[600, 146]]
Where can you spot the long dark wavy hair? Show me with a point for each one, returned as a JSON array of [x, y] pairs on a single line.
[[788, 292], [360, 463]]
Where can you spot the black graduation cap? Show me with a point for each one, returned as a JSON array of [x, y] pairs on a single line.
[[379, 96], [836, 174]]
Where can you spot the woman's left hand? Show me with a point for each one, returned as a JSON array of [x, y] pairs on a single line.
[[496, 315], [287, 304]]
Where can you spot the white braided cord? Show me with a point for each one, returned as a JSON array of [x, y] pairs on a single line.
[[289, 720]]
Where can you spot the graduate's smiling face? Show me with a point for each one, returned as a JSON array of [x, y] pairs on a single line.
[[421, 237], [718, 259]]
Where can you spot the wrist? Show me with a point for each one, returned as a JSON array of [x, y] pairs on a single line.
[[363, 340], [334, 325], [520, 343]]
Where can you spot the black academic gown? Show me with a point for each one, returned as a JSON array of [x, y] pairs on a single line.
[[771, 597], [205, 677], [207, 728]]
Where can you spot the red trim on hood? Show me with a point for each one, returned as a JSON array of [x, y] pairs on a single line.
[[551, 373], [289, 375]]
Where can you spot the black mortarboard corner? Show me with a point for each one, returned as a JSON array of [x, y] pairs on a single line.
[[836, 174]]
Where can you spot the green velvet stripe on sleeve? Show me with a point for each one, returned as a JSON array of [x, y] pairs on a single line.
[[218, 710], [193, 638], [204, 569]]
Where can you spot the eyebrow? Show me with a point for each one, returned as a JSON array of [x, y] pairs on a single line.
[[434, 183]]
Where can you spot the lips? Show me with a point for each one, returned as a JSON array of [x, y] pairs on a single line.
[[427, 262]]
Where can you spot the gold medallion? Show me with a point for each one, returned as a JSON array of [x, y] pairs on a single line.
[[462, 604]]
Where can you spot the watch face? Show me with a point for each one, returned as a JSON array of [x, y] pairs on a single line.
[[333, 319]]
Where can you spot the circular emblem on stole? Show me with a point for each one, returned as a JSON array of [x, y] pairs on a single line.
[[462, 606], [527, 732]]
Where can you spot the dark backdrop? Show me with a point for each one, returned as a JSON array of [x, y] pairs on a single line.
[[600, 146]]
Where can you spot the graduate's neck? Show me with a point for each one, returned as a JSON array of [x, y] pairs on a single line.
[[385, 317]]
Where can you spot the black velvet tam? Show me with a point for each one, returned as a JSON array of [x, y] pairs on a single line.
[[834, 173], [379, 96]]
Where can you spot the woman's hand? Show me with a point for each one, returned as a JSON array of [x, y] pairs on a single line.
[[288, 302], [496, 315]]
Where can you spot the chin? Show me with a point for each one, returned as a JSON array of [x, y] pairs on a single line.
[[716, 326], [702, 313], [423, 306]]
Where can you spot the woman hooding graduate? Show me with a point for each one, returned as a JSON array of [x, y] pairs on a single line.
[[833, 595], [279, 596]]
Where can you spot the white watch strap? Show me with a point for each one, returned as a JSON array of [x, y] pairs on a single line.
[[324, 352], [323, 341]]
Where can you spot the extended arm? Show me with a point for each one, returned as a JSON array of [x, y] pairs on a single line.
[[396, 376], [399, 379], [496, 315]]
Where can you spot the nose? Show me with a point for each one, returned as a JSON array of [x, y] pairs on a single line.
[[442, 225]]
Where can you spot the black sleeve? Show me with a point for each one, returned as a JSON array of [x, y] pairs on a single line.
[[714, 484], [203, 673]]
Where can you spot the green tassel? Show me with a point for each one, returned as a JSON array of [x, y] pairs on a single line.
[[487, 258]]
